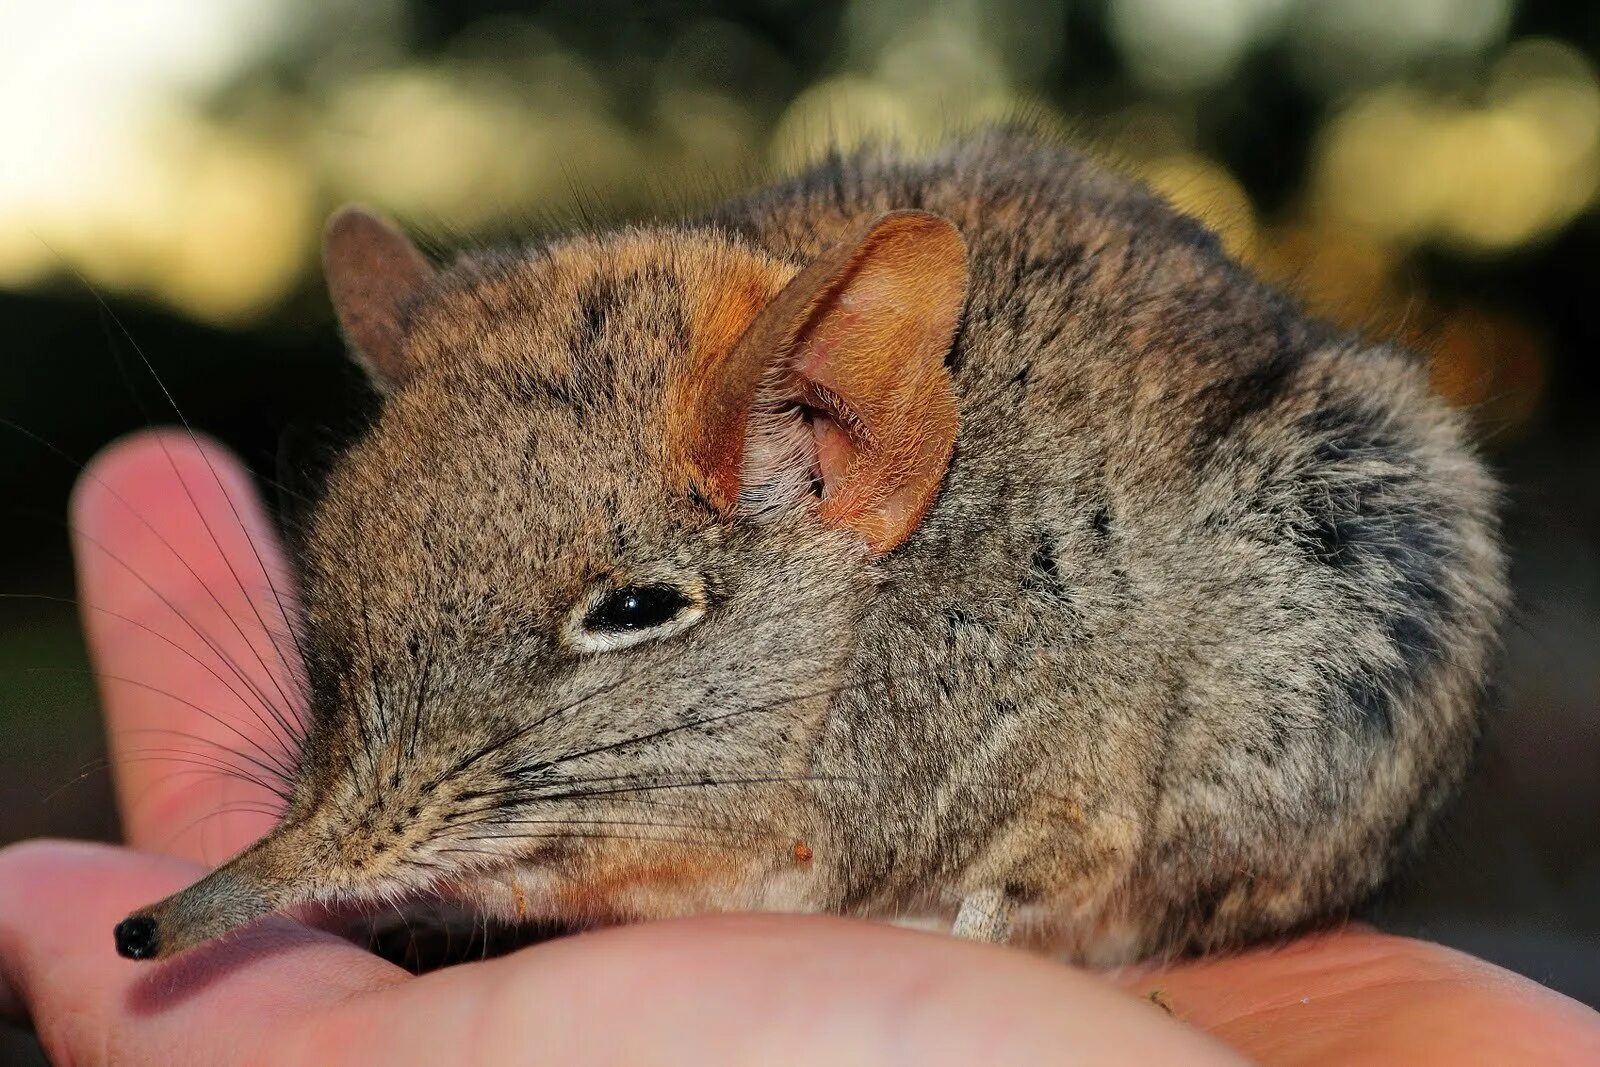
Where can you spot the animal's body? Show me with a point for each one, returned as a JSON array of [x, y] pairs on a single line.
[[1000, 540]]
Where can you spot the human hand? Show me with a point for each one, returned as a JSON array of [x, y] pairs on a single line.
[[724, 990]]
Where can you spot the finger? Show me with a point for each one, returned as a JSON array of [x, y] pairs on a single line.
[[761, 989], [219, 1004], [186, 607], [1360, 996]]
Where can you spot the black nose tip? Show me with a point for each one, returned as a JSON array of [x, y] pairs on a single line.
[[138, 938]]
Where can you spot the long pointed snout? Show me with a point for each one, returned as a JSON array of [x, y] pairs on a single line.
[[250, 885]]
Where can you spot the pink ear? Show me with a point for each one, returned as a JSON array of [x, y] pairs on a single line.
[[374, 275], [840, 382]]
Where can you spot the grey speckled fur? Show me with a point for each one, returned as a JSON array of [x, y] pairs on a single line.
[[1225, 578]]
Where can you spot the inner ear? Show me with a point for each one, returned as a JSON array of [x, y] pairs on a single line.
[[838, 393], [375, 276]]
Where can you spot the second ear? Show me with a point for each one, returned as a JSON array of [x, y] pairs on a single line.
[[374, 274]]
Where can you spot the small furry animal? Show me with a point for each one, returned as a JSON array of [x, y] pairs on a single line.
[[962, 537]]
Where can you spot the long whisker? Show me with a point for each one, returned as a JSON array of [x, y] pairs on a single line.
[[281, 770], [546, 765], [262, 703], [372, 679], [83, 471], [655, 783], [497, 815], [707, 720], [282, 774], [200, 514], [640, 838], [152, 631], [521, 730], [419, 703], [226, 809], [88, 770], [527, 792], [255, 703], [646, 823], [202, 760]]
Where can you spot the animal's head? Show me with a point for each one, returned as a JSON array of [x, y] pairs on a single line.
[[577, 602]]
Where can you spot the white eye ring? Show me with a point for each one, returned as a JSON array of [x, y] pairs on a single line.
[[619, 616]]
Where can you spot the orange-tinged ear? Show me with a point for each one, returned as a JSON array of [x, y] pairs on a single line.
[[837, 393], [374, 275]]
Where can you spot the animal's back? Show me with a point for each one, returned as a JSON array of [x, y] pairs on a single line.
[[1213, 586]]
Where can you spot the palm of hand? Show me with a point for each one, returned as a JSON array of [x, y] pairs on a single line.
[[733, 990]]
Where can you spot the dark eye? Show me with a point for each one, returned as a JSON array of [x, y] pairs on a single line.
[[636, 607]]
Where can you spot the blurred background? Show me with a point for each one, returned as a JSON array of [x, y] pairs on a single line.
[[1421, 169]]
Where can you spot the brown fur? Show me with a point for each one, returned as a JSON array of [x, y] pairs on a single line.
[[1186, 652]]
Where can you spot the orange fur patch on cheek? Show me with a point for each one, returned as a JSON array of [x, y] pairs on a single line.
[[721, 318], [710, 401]]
